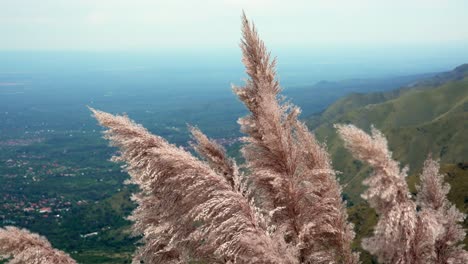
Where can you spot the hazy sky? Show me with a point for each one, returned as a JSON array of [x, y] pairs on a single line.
[[197, 24]]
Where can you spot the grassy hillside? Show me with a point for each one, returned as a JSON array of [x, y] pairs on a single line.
[[416, 121], [357, 100], [430, 116]]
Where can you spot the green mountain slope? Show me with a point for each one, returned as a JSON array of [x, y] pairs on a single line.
[[356, 100], [429, 117]]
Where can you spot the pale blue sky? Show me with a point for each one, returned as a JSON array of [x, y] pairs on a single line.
[[203, 24]]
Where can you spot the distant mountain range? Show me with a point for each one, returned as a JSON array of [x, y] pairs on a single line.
[[318, 96]]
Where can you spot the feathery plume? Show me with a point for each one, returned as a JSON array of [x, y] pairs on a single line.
[[432, 196], [397, 236], [24, 247], [328, 224], [290, 168], [215, 155], [432, 191], [185, 209]]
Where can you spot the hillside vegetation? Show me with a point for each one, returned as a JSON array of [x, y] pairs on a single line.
[[430, 116]]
